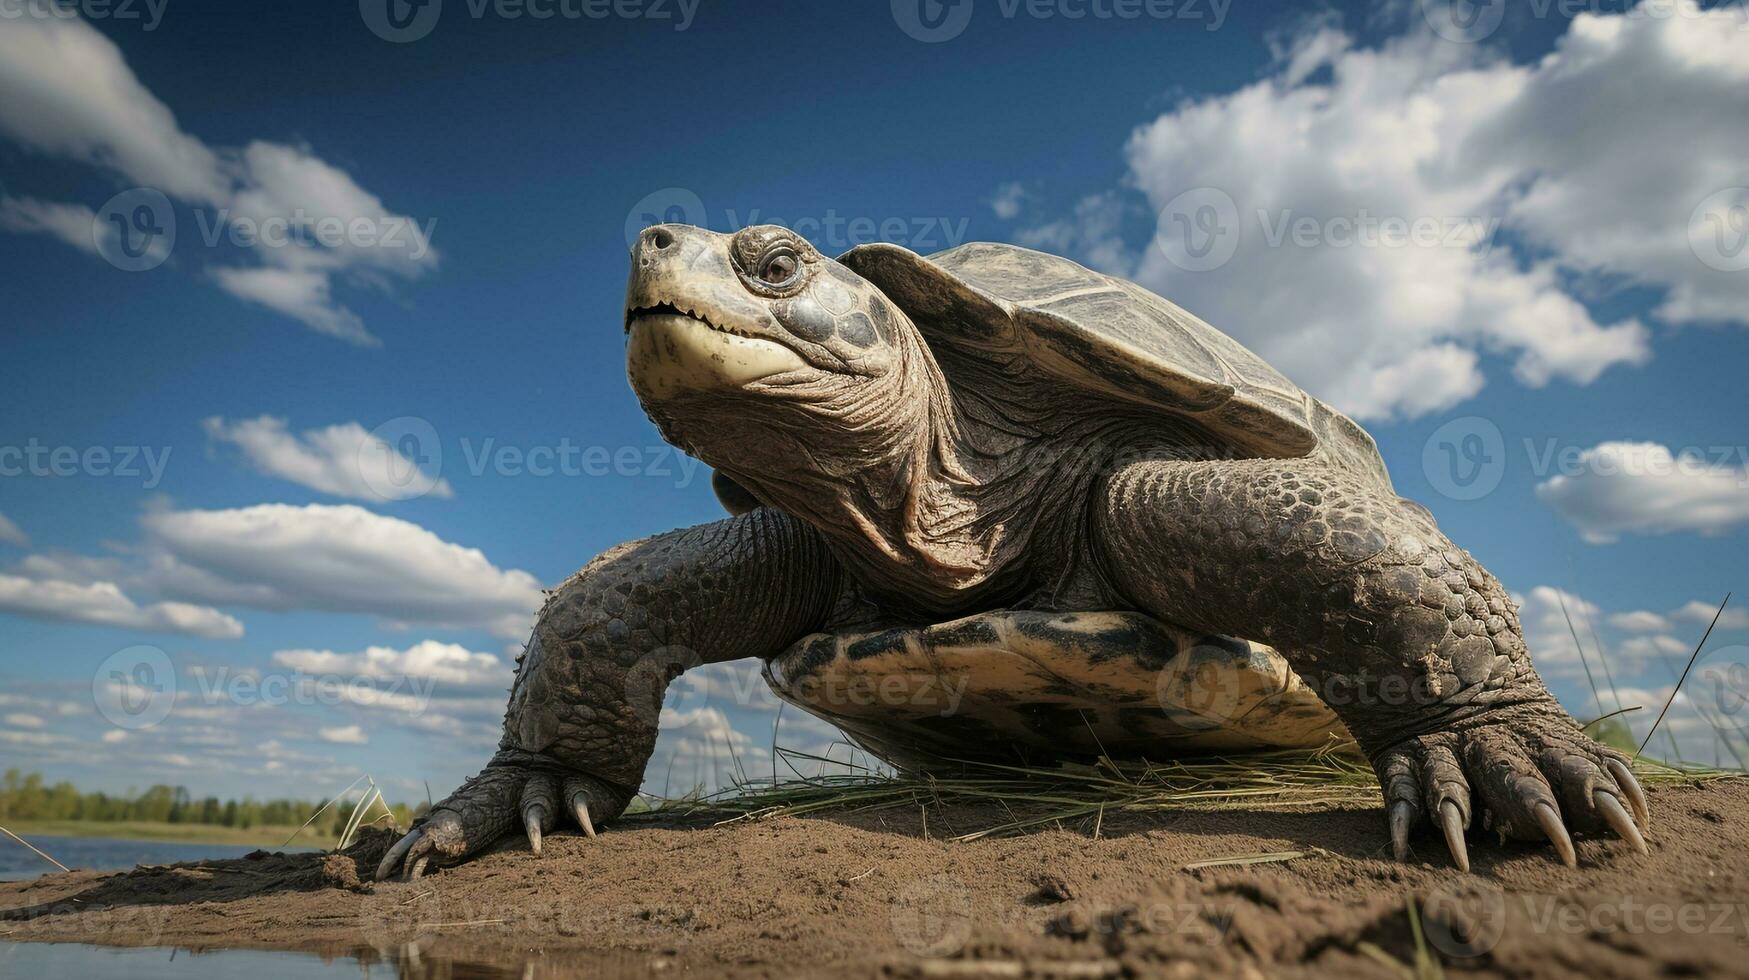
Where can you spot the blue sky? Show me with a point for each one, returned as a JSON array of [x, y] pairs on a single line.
[[1517, 251]]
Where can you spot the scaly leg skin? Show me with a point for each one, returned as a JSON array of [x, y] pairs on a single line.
[[1413, 644], [583, 711]]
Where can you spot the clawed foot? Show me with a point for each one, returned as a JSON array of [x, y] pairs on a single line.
[[487, 808], [1532, 777]]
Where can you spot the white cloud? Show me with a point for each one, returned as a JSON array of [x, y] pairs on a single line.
[[347, 735], [11, 533], [115, 736], [21, 720], [343, 460], [446, 663], [104, 604], [1007, 200], [1701, 613], [338, 558], [74, 224], [1556, 179], [1640, 621], [66, 91], [1643, 488]]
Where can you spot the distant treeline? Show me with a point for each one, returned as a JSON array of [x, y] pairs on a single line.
[[24, 796]]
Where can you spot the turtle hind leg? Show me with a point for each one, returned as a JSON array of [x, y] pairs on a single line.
[[516, 789], [1406, 636]]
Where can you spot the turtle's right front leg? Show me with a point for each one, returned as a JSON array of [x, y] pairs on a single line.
[[583, 711]]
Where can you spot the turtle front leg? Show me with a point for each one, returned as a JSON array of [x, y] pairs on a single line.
[[582, 720], [1416, 647]]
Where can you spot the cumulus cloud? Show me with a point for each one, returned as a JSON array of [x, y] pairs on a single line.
[[1640, 621], [74, 224], [19, 719], [66, 91], [1393, 213], [104, 604], [1701, 613], [446, 663], [346, 735], [1007, 200], [339, 558], [1644, 488], [342, 460], [11, 533]]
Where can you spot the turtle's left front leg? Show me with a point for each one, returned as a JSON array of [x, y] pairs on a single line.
[[1413, 644]]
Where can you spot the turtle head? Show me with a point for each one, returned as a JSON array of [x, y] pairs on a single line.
[[759, 310]]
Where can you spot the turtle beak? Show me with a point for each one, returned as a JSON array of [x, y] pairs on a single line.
[[690, 324]]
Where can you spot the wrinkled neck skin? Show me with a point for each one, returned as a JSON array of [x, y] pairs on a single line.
[[936, 499]]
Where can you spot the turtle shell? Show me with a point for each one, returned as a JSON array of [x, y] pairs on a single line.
[[1111, 336]]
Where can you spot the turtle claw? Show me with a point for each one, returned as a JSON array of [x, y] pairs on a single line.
[[582, 808], [531, 818], [1619, 821], [396, 853], [1550, 820], [1451, 821], [1402, 815], [1630, 787]]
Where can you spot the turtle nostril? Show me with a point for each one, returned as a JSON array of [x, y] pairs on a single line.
[[661, 238]]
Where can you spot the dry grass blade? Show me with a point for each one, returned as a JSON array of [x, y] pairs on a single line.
[[33, 849], [1242, 860], [1698, 647]]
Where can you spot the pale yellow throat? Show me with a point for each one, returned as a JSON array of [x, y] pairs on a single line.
[[668, 353]]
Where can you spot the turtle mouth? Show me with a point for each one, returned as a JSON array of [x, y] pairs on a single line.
[[669, 309]]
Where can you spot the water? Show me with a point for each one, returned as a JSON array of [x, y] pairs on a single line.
[[104, 854], [51, 961]]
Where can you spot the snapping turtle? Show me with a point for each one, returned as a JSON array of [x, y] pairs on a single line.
[[990, 502]]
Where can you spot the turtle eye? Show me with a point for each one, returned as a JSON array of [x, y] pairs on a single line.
[[779, 267]]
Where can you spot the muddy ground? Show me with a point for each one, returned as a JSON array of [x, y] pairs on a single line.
[[875, 894]]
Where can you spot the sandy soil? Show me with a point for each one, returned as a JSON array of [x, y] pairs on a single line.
[[851, 895]]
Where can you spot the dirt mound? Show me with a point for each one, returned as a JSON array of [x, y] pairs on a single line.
[[876, 894]]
